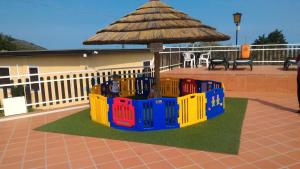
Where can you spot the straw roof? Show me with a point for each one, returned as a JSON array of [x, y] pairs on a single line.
[[156, 22]]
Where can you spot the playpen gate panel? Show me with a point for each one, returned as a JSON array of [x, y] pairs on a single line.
[[192, 109], [215, 103], [127, 87], [188, 86], [99, 109], [169, 87], [123, 112], [143, 86]]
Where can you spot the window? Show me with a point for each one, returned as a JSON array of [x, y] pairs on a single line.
[[4, 71], [34, 77], [147, 68]]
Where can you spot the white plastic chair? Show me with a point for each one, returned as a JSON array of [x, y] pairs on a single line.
[[189, 57], [152, 63], [204, 58]]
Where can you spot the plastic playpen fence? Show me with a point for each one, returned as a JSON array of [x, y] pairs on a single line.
[[99, 109], [192, 109], [188, 86], [143, 86], [127, 87], [123, 112], [96, 89], [156, 114], [215, 103], [169, 87]]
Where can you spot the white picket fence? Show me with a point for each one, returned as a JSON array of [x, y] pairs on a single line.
[[59, 89]]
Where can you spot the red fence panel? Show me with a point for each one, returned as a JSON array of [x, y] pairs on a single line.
[[123, 112], [188, 86]]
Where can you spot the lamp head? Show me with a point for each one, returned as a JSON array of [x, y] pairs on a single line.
[[237, 18]]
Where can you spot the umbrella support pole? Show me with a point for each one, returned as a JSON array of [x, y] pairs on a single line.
[[157, 73]]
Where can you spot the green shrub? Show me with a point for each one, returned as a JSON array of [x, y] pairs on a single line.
[[1, 111], [17, 91]]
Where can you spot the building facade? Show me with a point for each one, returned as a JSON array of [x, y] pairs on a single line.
[[59, 78]]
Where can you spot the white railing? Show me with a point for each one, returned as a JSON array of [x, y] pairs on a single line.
[[264, 54], [59, 88]]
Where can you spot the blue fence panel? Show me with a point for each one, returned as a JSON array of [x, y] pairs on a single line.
[[151, 114], [215, 103], [143, 86], [105, 88], [205, 85], [156, 114]]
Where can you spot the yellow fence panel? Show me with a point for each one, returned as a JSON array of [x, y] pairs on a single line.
[[127, 86], [223, 86], [192, 109], [96, 89], [169, 87], [99, 109]]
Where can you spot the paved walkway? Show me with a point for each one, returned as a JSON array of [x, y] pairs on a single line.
[[270, 139]]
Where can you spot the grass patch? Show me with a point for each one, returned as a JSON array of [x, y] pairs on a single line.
[[221, 134]]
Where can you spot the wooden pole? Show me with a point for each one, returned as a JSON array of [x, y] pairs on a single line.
[[157, 73]]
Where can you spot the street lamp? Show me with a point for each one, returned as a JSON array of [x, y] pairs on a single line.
[[237, 20]]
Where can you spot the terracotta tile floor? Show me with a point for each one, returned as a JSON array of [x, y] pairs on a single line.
[[270, 139]]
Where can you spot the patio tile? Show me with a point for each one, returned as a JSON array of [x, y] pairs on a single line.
[[55, 151], [161, 164], [284, 160], [64, 165], [81, 163], [151, 157], [14, 152], [131, 162], [295, 166], [246, 166], [11, 166], [192, 167], [34, 163], [104, 158], [118, 146], [212, 165], [34, 155], [57, 159], [124, 154], [140, 150], [170, 153], [12, 159], [99, 151], [294, 154], [250, 156], [232, 161], [265, 152], [78, 155], [200, 157], [266, 164], [281, 148], [181, 162], [110, 165]]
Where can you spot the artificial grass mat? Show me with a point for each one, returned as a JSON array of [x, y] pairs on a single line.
[[221, 134]]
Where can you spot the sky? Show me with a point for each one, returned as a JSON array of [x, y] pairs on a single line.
[[65, 24]]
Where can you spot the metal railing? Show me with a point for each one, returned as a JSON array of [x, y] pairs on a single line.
[[263, 54]]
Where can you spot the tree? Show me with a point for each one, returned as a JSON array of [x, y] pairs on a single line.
[[275, 37], [203, 44], [6, 43]]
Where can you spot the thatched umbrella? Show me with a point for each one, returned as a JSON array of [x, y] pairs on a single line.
[[156, 23]]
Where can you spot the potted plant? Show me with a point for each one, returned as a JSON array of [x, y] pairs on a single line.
[[15, 104]]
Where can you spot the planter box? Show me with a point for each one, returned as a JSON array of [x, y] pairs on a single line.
[[14, 105]]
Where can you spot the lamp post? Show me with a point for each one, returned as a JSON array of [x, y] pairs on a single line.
[[237, 20]]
